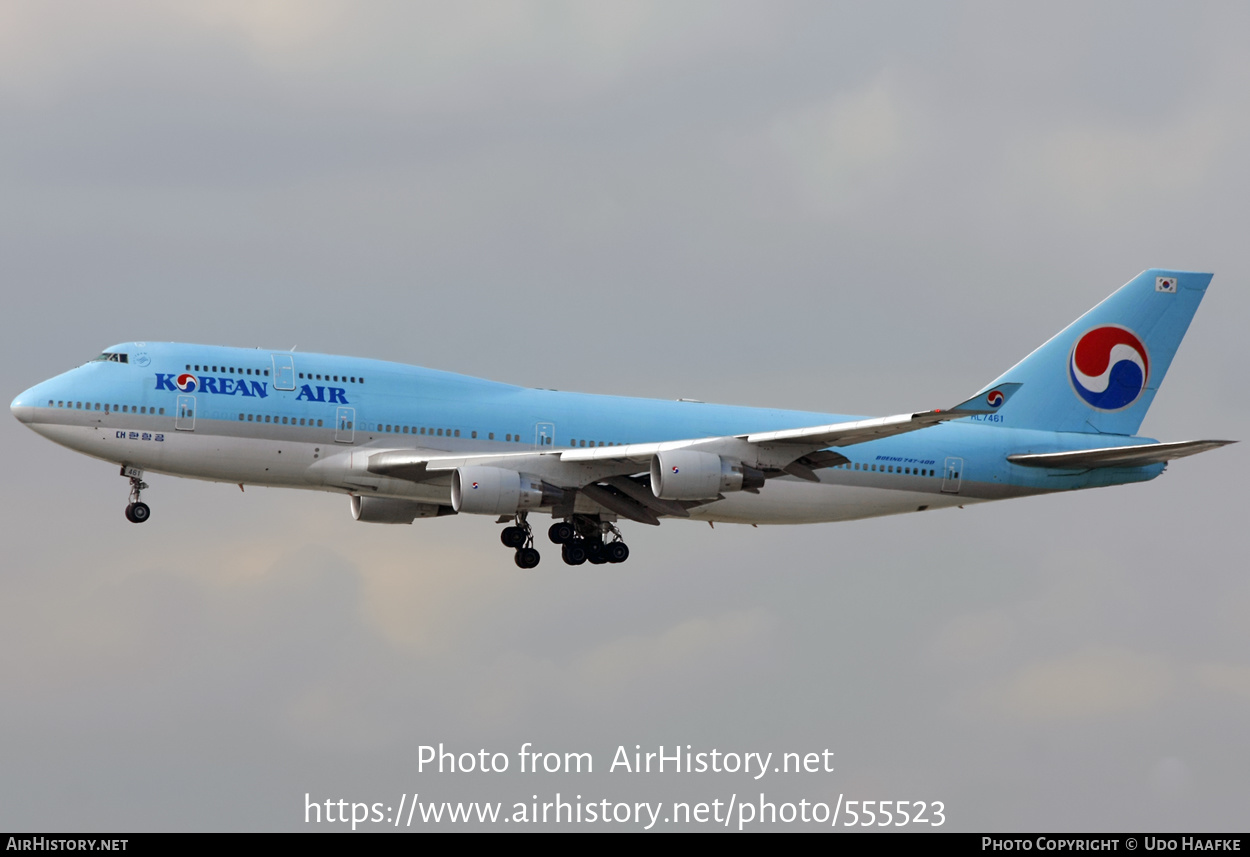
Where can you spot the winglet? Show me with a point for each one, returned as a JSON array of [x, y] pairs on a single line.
[[989, 402]]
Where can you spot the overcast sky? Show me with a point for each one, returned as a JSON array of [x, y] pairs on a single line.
[[858, 208]]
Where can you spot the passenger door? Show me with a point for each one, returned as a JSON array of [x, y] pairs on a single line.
[[345, 425], [184, 417], [283, 372], [952, 475]]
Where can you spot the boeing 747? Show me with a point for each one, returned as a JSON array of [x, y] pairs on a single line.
[[404, 442]]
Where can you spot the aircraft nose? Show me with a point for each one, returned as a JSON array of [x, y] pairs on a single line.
[[22, 408]]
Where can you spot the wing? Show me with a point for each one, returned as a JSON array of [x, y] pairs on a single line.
[[618, 477]]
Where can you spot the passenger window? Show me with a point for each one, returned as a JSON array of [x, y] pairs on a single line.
[[457, 432]]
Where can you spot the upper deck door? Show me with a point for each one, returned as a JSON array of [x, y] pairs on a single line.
[[184, 417], [283, 372]]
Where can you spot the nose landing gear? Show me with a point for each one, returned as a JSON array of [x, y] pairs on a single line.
[[136, 511]]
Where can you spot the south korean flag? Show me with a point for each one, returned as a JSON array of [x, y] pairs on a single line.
[[1165, 284]]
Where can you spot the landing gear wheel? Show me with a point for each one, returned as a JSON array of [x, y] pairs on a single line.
[[512, 537], [595, 553], [574, 552], [136, 512], [527, 557], [616, 551], [562, 532]]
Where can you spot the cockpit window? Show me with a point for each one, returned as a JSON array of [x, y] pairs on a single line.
[[113, 357]]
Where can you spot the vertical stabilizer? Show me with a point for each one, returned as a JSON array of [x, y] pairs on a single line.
[[1100, 373]]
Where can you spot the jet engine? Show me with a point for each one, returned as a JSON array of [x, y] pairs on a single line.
[[687, 474], [480, 490], [389, 510]]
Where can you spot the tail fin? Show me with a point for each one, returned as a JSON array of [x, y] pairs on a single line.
[[1100, 373]]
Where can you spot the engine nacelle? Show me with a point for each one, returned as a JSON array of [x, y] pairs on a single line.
[[389, 510], [494, 491], [687, 474]]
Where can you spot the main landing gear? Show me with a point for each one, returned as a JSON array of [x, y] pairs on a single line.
[[136, 511], [521, 537], [583, 539]]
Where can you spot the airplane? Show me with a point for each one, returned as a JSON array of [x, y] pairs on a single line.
[[405, 442]]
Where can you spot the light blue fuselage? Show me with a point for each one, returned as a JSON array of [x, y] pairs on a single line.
[[304, 420]]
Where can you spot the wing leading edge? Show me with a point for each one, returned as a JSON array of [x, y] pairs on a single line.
[[796, 452]]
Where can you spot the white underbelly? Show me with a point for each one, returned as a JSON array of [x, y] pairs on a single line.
[[784, 501]]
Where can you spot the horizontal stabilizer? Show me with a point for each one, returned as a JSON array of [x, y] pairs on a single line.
[[1118, 456]]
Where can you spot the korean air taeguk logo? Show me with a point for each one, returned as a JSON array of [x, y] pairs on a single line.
[[187, 382], [1109, 367]]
